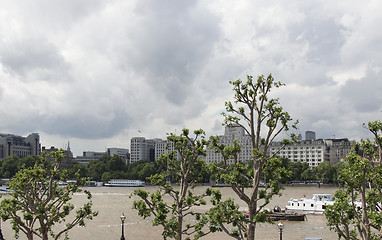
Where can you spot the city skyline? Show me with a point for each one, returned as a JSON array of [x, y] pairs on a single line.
[[100, 73]]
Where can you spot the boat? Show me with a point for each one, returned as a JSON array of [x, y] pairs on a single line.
[[287, 216], [277, 214], [316, 204], [124, 183], [5, 190]]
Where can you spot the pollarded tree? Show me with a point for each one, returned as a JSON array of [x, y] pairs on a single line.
[[37, 202], [263, 119], [357, 214], [185, 167]]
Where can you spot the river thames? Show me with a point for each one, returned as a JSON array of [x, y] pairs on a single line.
[[112, 201]]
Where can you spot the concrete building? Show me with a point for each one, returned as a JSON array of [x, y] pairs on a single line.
[[68, 154], [231, 134], [123, 153], [338, 149], [310, 136], [312, 152], [143, 149], [88, 156], [21, 146]]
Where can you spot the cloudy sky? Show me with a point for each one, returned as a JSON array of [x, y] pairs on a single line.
[[97, 73]]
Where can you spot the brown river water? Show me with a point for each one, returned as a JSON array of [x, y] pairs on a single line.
[[112, 201]]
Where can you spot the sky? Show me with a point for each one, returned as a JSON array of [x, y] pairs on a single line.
[[97, 73]]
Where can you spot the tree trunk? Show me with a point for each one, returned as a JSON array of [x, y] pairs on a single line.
[[30, 235], [180, 224], [251, 230]]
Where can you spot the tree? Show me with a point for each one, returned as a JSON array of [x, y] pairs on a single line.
[[37, 202], [359, 204], [263, 119], [186, 167], [325, 172]]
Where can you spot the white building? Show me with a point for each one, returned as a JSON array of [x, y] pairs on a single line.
[[312, 152], [231, 134], [143, 149]]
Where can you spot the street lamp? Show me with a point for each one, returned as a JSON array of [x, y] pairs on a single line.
[[123, 222], [280, 225]]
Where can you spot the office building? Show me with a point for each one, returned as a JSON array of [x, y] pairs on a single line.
[[232, 133], [21, 146]]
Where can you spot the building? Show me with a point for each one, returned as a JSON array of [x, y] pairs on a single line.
[[21, 146], [88, 156], [67, 153], [143, 149], [232, 133], [122, 153], [315, 151], [338, 149], [310, 136], [312, 152], [164, 147]]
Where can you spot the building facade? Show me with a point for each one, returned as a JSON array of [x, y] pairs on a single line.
[[67, 153], [338, 149], [143, 149], [232, 133], [21, 146], [312, 152], [122, 153]]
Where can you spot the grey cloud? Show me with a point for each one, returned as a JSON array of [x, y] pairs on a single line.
[[177, 40], [31, 55], [52, 16], [86, 126], [364, 95], [324, 37]]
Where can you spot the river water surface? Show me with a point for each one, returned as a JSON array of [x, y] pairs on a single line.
[[112, 201]]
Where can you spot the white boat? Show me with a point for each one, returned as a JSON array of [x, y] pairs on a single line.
[[317, 204], [5, 190], [125, 183]]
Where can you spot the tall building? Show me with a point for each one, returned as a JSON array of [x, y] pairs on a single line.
[[143, 149], [310, 136], [21, 146], [232, 133]]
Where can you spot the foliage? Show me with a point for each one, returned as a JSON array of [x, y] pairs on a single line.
[[185, 168], [114, 165], [37, 202], [12, 164], [263, 119], [363, 182]]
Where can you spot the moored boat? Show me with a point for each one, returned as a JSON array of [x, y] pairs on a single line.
[[316, 204], [287, 216], [124, 183]]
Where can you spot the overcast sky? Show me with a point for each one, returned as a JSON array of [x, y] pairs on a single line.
[[97, 73]]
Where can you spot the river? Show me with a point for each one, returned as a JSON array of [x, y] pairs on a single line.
[[112, 201]]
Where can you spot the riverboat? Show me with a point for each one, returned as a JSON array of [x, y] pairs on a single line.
[[316, 204], [124, 183], [277, 214], [287, 216]]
